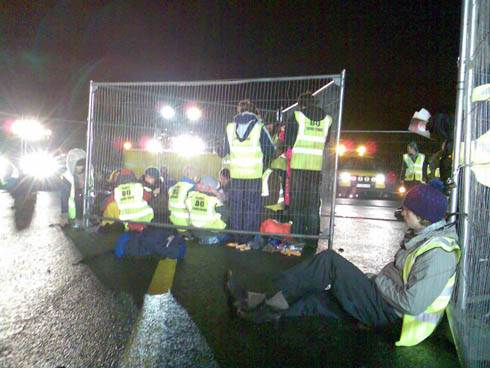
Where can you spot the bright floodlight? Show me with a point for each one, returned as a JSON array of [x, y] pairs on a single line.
[[154, 146], [188, 145], [40, 165], [361, 150], [402, 189], [380, 179], [29, 129], [127, 145], [345, 177], [193, 113], [167, 112], [341, 149]]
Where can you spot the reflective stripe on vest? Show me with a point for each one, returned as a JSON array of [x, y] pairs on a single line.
[[245, 157], [72, 210], [307, 153], [177, 195], [416, 329], [280, 163], [225, 162], [265, 192], [202, 211], [131, 204], [414, 169]]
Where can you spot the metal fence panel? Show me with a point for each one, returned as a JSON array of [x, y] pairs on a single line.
[[469, 311], [138, 125]]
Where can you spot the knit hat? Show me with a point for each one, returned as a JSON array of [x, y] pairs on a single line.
[[210, 180], [152, 171], [427, 202]]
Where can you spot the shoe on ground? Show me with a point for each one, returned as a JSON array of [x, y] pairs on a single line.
[[235, 293], [261, 314]]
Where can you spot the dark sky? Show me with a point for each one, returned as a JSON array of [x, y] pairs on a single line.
[[399, 55]]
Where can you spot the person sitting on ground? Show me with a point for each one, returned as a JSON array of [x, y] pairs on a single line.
[[413, 291], [177, 195], [207, 211], [72, 188], [159, 197], [132, 201]]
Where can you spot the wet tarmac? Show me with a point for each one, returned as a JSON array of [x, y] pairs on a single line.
[[67, 301]]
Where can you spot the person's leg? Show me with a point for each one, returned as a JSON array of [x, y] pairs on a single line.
[[313, 204], [317, 304], [296, 204], [331, 273]]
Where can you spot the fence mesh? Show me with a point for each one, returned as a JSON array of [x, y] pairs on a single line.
[[180, 124], [469, 312]]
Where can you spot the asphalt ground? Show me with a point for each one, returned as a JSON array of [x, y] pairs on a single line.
[[68, 301]]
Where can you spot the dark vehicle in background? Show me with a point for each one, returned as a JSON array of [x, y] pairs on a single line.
[[362, 176]]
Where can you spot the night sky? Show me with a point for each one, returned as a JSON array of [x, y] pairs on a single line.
[[399, 55]]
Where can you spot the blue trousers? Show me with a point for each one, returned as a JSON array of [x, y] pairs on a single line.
[[246, 204]]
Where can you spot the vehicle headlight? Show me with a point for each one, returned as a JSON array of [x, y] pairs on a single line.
[[40, 165], [188, 145], [345, 177], [380, 179]]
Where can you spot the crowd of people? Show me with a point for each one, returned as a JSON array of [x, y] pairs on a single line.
[[270, 169]]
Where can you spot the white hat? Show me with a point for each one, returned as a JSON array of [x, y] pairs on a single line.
[[423, 115]]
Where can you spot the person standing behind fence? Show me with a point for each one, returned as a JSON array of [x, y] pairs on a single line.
[[249, 145], [177, 195], [306, 132], [414, 167]]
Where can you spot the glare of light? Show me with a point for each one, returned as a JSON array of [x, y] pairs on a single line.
[[361, 150], [193, 113], [154, 145], [380, 179], [127, 145], [341, 149], [345, 177], [188, 145], [402, 189], [167, 112], [40, 165], [29, 129]]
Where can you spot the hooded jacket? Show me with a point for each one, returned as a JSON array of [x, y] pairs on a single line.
[[244, 125], [73, 156], [428, 276]]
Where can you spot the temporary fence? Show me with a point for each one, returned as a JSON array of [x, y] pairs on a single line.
[[174, 125], [469, 311]]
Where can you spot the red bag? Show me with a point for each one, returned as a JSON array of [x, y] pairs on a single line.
[[275, 227]]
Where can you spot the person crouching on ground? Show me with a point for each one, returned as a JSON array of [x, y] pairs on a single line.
[[153, 185], [177, 195], [207, 211], [414, 290]]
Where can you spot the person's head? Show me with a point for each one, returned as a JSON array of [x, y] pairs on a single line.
[[126, 176], [80, 166], [423, 205], [113, 177], [306, 99], [412, 148], [224, 177], [209, 181], [152, 175], [246, 106], [191, 172]]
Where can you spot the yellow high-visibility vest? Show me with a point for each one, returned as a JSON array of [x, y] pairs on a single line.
[[177, 195], [414, 169], [279, 206], [202, 211], [245, 157], [307, 153], [416, 329], [131, 203]]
